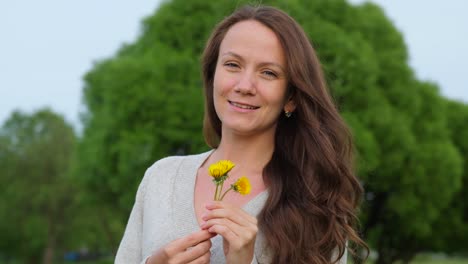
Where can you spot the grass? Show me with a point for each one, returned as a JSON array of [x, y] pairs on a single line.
[[441, 261], [431, 259]]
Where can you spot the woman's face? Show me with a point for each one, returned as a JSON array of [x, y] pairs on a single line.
[[250, 80]]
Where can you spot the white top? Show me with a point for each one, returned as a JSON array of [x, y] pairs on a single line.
[[164, 211]]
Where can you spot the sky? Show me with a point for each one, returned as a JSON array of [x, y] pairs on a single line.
[[47, 46]]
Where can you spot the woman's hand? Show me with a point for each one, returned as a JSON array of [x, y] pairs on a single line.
[[238, 229], [193, 249]]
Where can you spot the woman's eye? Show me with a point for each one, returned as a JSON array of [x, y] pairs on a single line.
[[269, 73], [230, 65]]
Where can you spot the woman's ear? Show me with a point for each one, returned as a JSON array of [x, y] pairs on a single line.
[[290, 105]]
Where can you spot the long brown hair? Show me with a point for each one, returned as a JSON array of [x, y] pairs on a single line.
[[314, 194]]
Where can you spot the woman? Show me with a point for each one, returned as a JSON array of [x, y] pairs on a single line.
[[268, 110]]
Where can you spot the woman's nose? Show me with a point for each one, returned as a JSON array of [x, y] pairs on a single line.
[[246, 84]]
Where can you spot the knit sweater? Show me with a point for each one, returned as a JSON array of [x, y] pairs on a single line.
[[164, 211]]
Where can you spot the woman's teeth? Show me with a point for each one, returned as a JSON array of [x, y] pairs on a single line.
[[243, 106]]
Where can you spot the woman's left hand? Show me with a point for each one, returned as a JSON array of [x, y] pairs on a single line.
[[238, 229]]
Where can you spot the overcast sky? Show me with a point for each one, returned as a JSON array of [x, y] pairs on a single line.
[[47, 46]]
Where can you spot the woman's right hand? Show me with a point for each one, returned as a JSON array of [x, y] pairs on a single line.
[[194, 249]]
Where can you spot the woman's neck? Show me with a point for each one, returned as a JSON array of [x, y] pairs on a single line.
[[250, 153]]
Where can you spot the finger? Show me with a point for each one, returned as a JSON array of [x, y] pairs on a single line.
[[234, 215], [183, 243], [226, 233], [205, 259], [217, 205], [194, 253], [234, 242], [242, 232]]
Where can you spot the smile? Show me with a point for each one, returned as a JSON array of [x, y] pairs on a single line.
[[243, 106]]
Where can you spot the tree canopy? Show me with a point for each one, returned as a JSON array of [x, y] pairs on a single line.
[[35, 155]]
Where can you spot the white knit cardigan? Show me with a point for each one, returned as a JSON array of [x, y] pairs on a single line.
[[164, 211]]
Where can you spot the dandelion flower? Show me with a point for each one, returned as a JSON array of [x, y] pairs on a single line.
[[242, 185], [220, 169]]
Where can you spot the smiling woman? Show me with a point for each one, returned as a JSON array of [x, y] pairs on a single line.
[[268, 110]]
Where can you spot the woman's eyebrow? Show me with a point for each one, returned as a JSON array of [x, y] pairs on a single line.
[[230, 53], [239, 57], [272, 64]]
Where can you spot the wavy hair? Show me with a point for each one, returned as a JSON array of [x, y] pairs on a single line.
[[310, 213]]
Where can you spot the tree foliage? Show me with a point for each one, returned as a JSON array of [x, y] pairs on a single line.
[[35, 196], [452, 223], [146, 102]]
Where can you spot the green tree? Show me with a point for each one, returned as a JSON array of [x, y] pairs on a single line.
[[35, 154], [146, 102], [412, 197], [452, 222]]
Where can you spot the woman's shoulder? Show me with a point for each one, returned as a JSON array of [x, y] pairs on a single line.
[[165, 171], [172, 163]]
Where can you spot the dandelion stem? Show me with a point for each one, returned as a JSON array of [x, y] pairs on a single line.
[[216, 193], [221, 190], [225, 193]]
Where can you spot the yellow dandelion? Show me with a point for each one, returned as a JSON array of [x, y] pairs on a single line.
[[215, 171], [220, 168], [242, 185]]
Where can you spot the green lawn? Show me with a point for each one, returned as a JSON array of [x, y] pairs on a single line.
[[423, 259], [432, 261], [442, 261]]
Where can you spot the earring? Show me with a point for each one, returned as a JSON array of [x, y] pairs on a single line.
[[287, 114]]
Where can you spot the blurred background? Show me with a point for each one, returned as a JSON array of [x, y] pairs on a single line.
[[93, 92]]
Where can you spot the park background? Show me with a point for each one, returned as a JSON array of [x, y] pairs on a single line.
[[67, 186]]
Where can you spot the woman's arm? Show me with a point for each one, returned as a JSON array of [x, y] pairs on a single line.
[[130, 247], [193, 248]]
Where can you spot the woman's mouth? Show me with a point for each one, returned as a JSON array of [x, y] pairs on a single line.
[[243, 106]]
